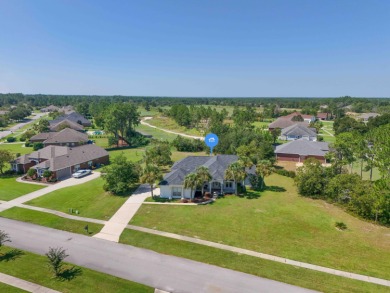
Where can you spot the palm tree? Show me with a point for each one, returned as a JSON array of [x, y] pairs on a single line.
[[150, 175], [264, 168], [235, 172], [191, 181], [203, 175]]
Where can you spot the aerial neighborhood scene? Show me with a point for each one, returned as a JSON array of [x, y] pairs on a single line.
[[195, 146]]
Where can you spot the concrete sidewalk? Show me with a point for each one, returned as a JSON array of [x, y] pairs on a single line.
[[30, 196], [24, 285], [118, 222]]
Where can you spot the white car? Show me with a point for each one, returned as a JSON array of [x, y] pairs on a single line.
[[81, 173]]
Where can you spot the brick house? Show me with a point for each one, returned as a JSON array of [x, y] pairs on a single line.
[[301, 149], [62, 160], [66, 137]]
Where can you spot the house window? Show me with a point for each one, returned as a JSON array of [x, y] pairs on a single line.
[[176, 191], [229, 184]]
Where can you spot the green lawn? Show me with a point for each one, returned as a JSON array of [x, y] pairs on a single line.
[[10, 189], [49, 220], [282, 224], [10, 289], [16, 148], [88, 198], [247, 264], [261, 124], [156, 133], [134, 154], [33, 268], [170, 124]]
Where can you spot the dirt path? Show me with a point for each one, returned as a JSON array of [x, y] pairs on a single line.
[[168, 131]]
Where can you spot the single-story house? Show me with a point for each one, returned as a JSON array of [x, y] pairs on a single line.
[[324, 116], [50, 108], [66, 137], [61, 160], [74, 117], [367, 116], [66, 123], [301, 149], [172, 186], [284, 123], [298, 131], [306, 118]]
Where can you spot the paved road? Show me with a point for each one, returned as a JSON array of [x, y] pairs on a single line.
[[165, 272], [20, 125], [168, 131]]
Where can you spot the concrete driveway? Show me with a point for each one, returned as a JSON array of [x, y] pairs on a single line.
[[169, 273]]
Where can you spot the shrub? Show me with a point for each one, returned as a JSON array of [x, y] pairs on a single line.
[[286, 173], [37, 146], [31, 172], [341, 226], [11, 139], [28, 144]]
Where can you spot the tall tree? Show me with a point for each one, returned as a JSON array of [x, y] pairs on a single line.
[[264, 168], [191, 181], [150, 175], [381, 149], [159, 154], [5, 157], [120, 119], [235, 172], [204, 175]]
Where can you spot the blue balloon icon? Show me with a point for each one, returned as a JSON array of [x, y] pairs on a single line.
[[211, 141]]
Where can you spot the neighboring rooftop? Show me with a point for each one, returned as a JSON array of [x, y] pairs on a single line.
[[366, 116], [303, 147], [286, 122], [67, 135], [74, 117], [57, 125], [292, 115], [299, 130]]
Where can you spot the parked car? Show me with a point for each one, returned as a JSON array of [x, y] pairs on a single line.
[[81, 173]]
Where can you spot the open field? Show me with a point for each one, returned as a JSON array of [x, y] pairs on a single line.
[[16, 148], [51, 221], [88, 198], [169, 124], [10, 189], [283, 224], [33, 268], [156, 133], [247, 264]]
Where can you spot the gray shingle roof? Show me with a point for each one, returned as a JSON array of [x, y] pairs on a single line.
[[74, 117], [299, 130], [216, 165], [303, 147], [49, 152], [56, 124], [67, 135], [74, 156], [286, 122], [42, 136]]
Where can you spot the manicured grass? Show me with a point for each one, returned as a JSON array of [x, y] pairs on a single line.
[[247, 264], [366, 175], [88, 198], [10, 289], [156, 133], [10, 189], [176, 156], [283, 224], [134, 155], [170, 124], [51, 221], [33, 268], [261, 124], [16, 148]]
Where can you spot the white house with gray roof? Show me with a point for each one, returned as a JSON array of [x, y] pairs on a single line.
[[297, 131], [172, 186]]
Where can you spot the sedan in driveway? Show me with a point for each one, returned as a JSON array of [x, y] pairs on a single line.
[[81, 173]]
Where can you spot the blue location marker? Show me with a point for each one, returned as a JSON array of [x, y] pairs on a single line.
[[211, 141]]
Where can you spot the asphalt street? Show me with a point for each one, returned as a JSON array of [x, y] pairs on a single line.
[[165, 272], [20, 125]]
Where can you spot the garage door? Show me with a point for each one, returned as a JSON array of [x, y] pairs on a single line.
[[64, 173]]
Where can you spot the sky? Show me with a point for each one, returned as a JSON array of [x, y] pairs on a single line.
[[185, 48]]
